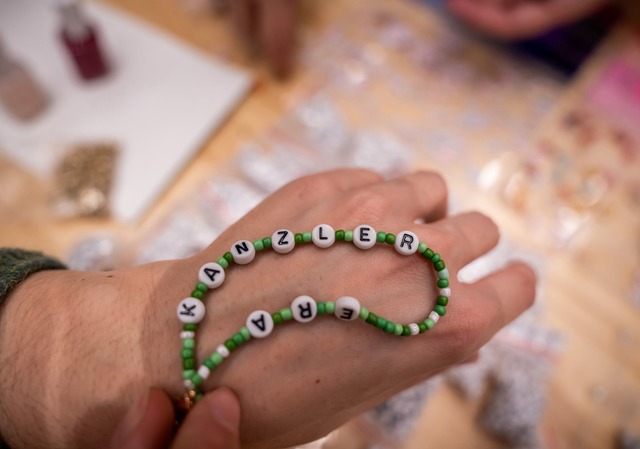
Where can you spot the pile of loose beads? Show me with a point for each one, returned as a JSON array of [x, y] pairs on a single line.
[[303, 309]]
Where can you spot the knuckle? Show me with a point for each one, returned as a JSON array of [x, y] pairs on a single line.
[[366, 205]]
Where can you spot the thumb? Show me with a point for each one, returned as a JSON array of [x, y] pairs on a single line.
[[212, 424]]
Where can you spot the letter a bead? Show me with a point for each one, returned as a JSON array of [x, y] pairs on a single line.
[[191, 310], [304, 309], [323, 236], [283, 241], [211, 274], [347, 308], [260, 324], [406, 243], [243, 252], [364, 237]]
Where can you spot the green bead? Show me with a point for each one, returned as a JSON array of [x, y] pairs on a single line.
[[398, 329], [196, 379], [439, 265], [189, 343], [330, 307], [340, 235], [202, 287], [189, 363], [266, 242], [428, 253], [306, 237], [440, 310], [372, 318], [348, 236], [381, 236], [237, 339], [322, 308], [186, 353], [197, 294], [186, 374], [228, 257], [190, 327], [381, 323], [230, 345], [443, 283], [277, 318], [223, 262], [297, 238], [442, 301], [364, 313], [422, 247], [390, 239], [429, 323], [216, 359], [258, 245], [406, 331], [245, 333], [390, 327], [209, 364], [286, 314], [435, 258], [422, 327]]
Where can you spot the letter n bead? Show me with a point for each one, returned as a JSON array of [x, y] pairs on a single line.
[[243, 252], [347, 308]]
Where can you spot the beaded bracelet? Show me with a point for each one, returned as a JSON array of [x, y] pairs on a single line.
[[303, 309]]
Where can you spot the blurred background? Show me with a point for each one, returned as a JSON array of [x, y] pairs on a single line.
[[134, 131]]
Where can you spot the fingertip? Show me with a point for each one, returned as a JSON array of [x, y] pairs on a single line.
[[224, 407]]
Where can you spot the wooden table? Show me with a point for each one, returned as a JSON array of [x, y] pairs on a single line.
[[595, 387]]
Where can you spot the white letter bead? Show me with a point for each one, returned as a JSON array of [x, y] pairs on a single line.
[[406, 243], [223, 351], [188, 384], [204, 372], [323, 236], [443, 274], [187, 334], [364, 237], [434, 317], [243, 252], [304, 309], [282, 241], [211, 274], [445, 292], [347, 308], [260, 324], [190, 310], [415, 329]]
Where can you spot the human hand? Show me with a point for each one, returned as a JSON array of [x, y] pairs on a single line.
[[269, 26], [212, 424], [519, 19], [99, 340]]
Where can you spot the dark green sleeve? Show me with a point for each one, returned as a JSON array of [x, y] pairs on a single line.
[[15, 266]]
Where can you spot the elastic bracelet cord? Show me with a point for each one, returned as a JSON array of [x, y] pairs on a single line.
[[303, 309]]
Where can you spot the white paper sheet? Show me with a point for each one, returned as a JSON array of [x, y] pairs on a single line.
[[159, 104]]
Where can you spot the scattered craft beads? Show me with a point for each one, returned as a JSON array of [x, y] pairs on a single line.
[[303, 309]]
